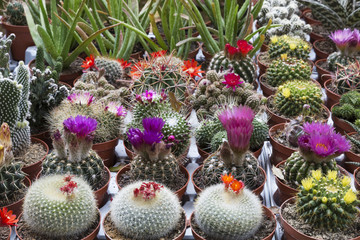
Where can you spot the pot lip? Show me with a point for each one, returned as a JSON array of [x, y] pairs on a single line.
[[328, 82], [26, 180], [318, 49], [7, 24], [351, 152], [86, 237], [209, 153], [259, 60], [266, 209], [107, 142], [34, 139], [317, 66], [276, 127], [355, 172]]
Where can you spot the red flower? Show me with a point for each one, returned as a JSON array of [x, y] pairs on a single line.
[[69, 187], [89, 62], [158, 54], [137, 69], [232, 80], [227, 179], [192, 68], [68, 178], [231, 50], [244, 47], [237, 186], [147, 190], [124, 63], [7, 218]]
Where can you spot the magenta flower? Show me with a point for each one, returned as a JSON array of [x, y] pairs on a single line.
[[116, 109], [81, 98], [232, 80], [153, 124], [322, 145], [135, 137], [82, 126], [356, 40], [342, 144], [318, 128], [342, 38], [149, 95]]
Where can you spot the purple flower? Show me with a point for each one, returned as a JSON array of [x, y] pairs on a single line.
[[149, 95], [342, 144], [317, 128], [232, 80], [152, 137], [81, 98], [135, 137], [356, 40], [80, 125], [342, 38], [115, 109], [303, 142], [153, 124], [322, 145]]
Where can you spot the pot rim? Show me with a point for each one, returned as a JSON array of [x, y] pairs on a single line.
[[46, 149]]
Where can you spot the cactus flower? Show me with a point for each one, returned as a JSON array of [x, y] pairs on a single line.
[[147, 190], [81, 98], [236, 186], [89, 62], [116, 109], [82, 126], [342, 39], [124, 63], [7, 218], [149, 95], [244, 47], [191, 68], [307, 183], [349, 197], [227, 179], [232, 80], [158, 54], [151, 134]]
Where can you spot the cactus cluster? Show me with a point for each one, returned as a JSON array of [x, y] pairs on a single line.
[[237, 60], [60, 206], [349, 107], [5, 44], [326, 201], [291, 98], [291, 46], [145, 210], [355, 144], [347, 78], [15, 14], [231, 212]]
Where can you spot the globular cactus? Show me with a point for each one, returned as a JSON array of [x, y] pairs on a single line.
[[294, 129], [145, 210], [287, 69], [291, 46], [347, 78], [295, 26], [355, 144], [60, 206], [325, 201], [5, 44], [114, 71], [291, 97], [231, 212], [206, 132], [15, 14], [235, 59], [349, 106]]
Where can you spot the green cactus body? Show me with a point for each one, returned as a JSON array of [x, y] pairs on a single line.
[[206, 131], [245, 67], [50, 212], [346, 111], [348, 78], [217, 140], [139, 218], [90, 168], [297, 168], [15, 14], [113, 69], [259, 135], [5, 44], [281, 71], [223, 214], [337, 58], [349, 106], [153, 109], [291, 97], [11, 181], [291, 46]]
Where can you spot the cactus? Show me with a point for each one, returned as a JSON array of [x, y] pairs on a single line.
[[232, 213], [145, 210], [327, 202], [291, 46], [287, 69], [355, 144], [237, 60], [294, 129], [60, 206], [291, 97], [5, 44], [206, 132], [15, 14], [217, 140], [347, 78], [114, 71], [348, 107]]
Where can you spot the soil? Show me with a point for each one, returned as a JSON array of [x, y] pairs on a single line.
[[265, 59], [35, 153], [115, 234], [326, 46], [26, 233], [290, 214], [319, 29], [266, 228], [4, 233], [280, 136], [138, 48], [104, 180]]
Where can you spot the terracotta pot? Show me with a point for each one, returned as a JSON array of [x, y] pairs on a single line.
[[340, 125], [309, 20], [267, 89], [351, 157], [267, 212], [315, 36], [264, 48], [22, 41], [9, 235], [320, 54], [106, 151], [324, 74], [280, 152], [33, 170], [44, 136], [262, 66], [179, 192], [91, 236], [16, 207], [256, 191], [356, 181], [332, 98]]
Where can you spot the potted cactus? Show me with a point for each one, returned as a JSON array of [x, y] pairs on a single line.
[[233, 155], [74, 155], [145, 210], [7, 219], [352, 158], [231, 211], [325, 207], [153, 158], [59, 207]]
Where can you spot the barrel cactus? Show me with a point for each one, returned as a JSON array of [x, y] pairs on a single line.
[[15, 14], [349, 107], [318, 146], [292, 46], [60, 206], [236, 59], [347, 78], [145, 210], [327, 201], [232, 212]]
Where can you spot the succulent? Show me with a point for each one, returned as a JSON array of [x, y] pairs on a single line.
[[5, 44], [145, 210], [287, 69], [231, 212], [206, 131], [294, 129], [235, 59], [347, 78], [291, 46], [15, 14], [355, 144], [318, 146], [349, 106], [291, 97], [60, 206], [233, 156], [326, 201], [73, 154]]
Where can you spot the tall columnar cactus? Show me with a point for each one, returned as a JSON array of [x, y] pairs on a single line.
[[349, 107], [347, 78], [327, 202], [292, 46], [145, 210], [318, 146], [231, 212], [60, 206], [5, 44], [233, 156], [15, 14], [236, 59]]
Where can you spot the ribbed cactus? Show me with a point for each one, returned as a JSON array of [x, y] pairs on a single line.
[[145, 210], [114, 72], [206, 132], [15, 14], [293, 129], [327, 202], [5, 44], [60, 206], [292, 46], [231, 213], [347, 78], [349, 106]]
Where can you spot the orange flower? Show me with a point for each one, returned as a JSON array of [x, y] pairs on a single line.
[[89, 62], [124, 63], [158, 54], [227, 179], [237, 186], [7, 218], [192, 68]]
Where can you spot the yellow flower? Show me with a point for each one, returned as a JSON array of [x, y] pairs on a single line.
[[280, 87], [307, 183], [306, 46], [332, 175], [283, 57], [334, 199], [346, 181], [324, 199], [349, 197], [286, 92], [292, 46], [274, 39], [316, 174]]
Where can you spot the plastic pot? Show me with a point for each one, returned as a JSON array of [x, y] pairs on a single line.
[[106, 151], [280, 152], [320, 54], [324, 74], [332, 97], [340, 125], [309, 20]]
